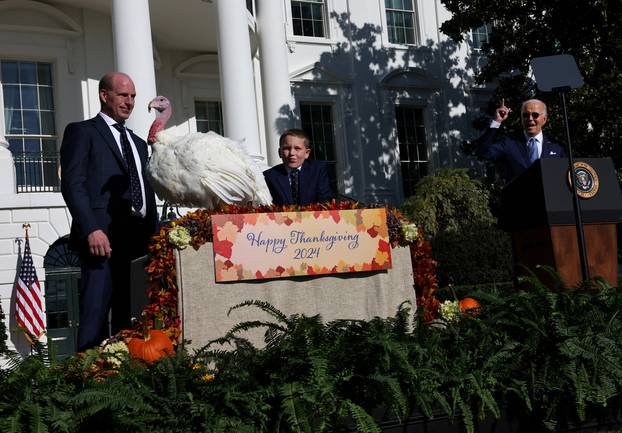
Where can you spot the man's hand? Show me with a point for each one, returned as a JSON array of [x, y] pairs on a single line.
[[99, 245], [502, 112]]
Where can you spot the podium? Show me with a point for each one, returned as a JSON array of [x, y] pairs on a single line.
[[537, 209]]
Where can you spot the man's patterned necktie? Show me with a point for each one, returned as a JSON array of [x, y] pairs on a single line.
[[295, 184], [128, 155]]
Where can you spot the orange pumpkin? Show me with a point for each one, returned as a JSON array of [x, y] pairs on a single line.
[[469, 305], [153, 347]]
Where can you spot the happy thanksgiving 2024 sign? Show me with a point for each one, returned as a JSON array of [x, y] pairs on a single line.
[[283, 244]]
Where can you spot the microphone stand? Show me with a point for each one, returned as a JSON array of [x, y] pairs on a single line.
[[585, 273]]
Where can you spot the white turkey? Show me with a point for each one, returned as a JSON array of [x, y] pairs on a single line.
[[201, 169]]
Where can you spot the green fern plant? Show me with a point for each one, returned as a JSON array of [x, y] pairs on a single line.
[[551, 358], [3, 334], [566, 345], [34, 395]]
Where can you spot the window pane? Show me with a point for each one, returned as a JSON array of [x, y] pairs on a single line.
[[399, 19], [9, 72], [11, 97], [392, 35], [297, 27], [213, 112], [202, 126], [29, 97], [217, 128], [412, 146], [316, 12], [46, 98], [296, 12], [307, 28], [317, 120], [327, 113], [44, 73], [32, 145], [399, 35], [209, 116], [408, 20], [47, 123], [200, 110], [14, 121], [306, 11], [31, 122], [316, 112], [28, 73], [481, 36], [318, 29], [390, 19]]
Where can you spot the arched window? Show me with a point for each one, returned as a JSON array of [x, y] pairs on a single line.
[[61, 257]]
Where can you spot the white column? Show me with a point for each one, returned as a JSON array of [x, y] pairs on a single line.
[[277, 99], [7, 169], [133, 50], [236, 75]]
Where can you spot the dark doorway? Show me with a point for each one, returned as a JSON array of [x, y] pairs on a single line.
[[62, 282]]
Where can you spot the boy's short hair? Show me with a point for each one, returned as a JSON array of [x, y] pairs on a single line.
[[299, 133]]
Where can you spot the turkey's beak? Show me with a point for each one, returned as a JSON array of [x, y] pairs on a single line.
[[149, 107]]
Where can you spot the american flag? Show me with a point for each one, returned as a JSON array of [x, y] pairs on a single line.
[[29, 299]]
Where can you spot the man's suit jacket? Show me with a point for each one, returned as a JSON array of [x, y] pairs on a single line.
[[95, 184], [314, 183], [511, 152]]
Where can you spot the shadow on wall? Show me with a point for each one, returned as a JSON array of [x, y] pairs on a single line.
[[376, 78]]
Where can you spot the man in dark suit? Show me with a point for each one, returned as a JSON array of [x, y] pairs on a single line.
[[112, 206], [516, 154], [298, 180]]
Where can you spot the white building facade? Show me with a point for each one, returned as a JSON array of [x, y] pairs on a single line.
[[384, 95]]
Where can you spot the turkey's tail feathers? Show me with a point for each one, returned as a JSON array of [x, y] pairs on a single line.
[[231, 189], [261, 194]]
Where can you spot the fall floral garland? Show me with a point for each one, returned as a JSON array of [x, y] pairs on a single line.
[[195, 229]]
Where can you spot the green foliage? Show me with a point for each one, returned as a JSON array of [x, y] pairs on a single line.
[[3, 334], [568, 344], [473, 255], [35, 395], [455, 214], [448, 201], [523, 29], [549, 357]]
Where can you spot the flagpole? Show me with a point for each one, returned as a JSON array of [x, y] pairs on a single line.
[[27, 334]]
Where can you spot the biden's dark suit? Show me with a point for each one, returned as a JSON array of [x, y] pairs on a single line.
[[511, 152], [314, 183], [95, 186]]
